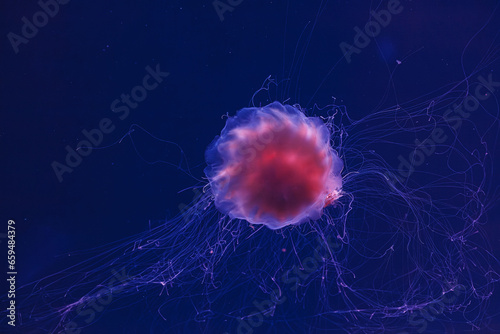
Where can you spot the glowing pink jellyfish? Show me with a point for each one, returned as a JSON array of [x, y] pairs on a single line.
[[273, 166]]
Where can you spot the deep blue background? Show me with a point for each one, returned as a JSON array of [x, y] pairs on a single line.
[[65, 78]]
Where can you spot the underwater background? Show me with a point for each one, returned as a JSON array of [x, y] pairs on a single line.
[[207, 59]]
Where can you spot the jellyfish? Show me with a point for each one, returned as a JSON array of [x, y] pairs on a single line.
[[296, 207], [306, 223], [273, 166]]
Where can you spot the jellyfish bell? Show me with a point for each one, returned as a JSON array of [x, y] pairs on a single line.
[[273, 165]]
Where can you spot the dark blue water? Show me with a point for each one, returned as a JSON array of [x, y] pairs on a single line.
[[61, 79]]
